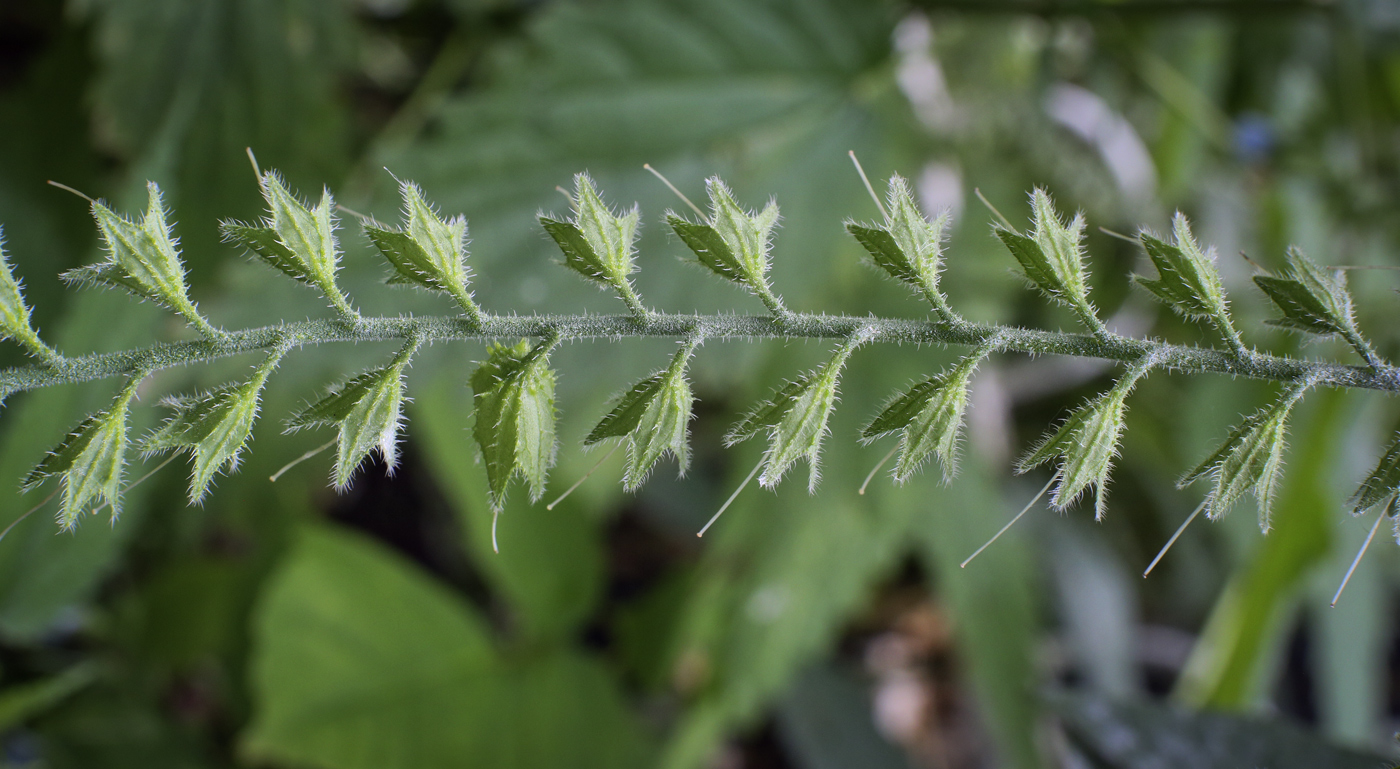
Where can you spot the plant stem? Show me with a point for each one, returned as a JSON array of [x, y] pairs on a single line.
[[723, 326]]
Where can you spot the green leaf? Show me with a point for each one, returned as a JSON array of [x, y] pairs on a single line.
[[1382, 484], [426, 251], [364, 662], [767, 413], [732, 242], [1311, 300], [297, 240], [1251, 459], [142, 258], [1187, 279], [262, 242], [514, 393], [1314, 301], [1086, 444], [627, 414], [214, 427], [796, 417], [368, 410], [930, 415], [908, 246], [90, 462], [596, 242], [1052, 256], [653, 416], [14, 313]]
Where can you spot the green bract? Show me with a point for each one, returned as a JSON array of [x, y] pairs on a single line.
[[427, 251], [1315, 301], [1251, 459], [90, 461], [296, 240], [368, 411], [14, 313], [1187, 279], [597, 243], [1052, 257], [214, 426], [1382, 484], [929, 416], [1086, 444], [653, 416], [142, 259], [908, 246], [795, 418], [733, 243], [514, 390]]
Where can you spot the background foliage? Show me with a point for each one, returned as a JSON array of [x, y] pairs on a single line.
[[281, 624]]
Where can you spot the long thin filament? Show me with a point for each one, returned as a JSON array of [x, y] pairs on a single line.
[[868, 187], [301, 459], [1175, 536], [580, 481], [672, 187], [1013, 521], [731, 499], [1357, 560], [30, 512], [876, 469]]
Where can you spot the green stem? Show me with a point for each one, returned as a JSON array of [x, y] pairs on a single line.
[[1185, 359]]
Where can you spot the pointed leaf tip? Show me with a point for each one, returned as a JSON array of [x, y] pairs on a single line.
[[1187, 281], [908, 246], [214, 427], [427, 251], [1250, 459], [514, 395], [1382, 484], [89, 461], [368, 411]]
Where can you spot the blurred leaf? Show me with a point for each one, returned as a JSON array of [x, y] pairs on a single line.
[[187, 86], [825, 722], [992, 601], [366, 664], [1137, 735], [25, 701]]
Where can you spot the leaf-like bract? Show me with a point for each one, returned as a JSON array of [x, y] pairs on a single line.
[[427, 251], [1052, 256], [142, 258], [214, 427], [1250, 459], [298, 241], [90, 462], [1187, 279], [14, 312], [930, 416], [368, 410], [653, 416], [514, 394], [1086, 444], [733, 243], [1382, 484], [1315, 301], [796, 418], [907, 246], [596, 242]]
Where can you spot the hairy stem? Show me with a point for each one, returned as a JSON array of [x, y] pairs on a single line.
[[792, 325]]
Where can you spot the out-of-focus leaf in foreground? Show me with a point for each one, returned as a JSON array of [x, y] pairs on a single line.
[[364, 663]]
